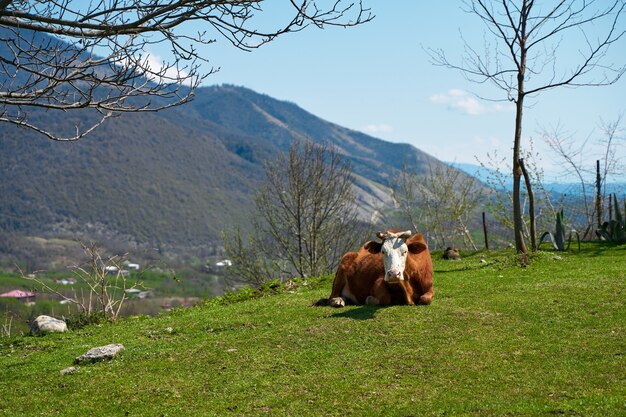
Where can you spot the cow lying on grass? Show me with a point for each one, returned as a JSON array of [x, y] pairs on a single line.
[[398, 270]]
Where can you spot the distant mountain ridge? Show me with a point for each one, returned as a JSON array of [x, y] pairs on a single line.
[[489, 175], [175, 178]]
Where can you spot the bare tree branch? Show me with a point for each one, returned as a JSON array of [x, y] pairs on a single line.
[[69, 54]]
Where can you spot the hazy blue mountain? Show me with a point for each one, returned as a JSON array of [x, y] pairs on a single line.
[[566, 186]]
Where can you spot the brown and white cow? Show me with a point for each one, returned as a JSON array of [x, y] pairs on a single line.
[[397, 270]]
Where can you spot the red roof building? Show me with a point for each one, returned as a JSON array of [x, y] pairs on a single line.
[[25, 296]]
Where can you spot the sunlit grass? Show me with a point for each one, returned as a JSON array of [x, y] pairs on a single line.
[[499, 339]]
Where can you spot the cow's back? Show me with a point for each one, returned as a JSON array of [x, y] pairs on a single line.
[[358, 271]]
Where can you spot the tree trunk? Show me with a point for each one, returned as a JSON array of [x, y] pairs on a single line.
[[598, 195], [520, 245], [518, 226], [531, 206], [485, 231]]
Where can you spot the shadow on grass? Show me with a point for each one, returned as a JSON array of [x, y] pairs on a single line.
[[351, 312], [359, 313], [599, 248]]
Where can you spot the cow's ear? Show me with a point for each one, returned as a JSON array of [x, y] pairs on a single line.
[[417, 247], [373, 247]]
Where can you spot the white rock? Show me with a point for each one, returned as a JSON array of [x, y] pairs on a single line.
[[47, 324], [101, 353], [69, 370]]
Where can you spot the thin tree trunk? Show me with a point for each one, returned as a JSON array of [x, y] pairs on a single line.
[[485, 232], [531, 206], [598, 194], [520, 245]]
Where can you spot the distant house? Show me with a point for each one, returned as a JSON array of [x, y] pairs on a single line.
[[132, 266], [65, 281], [24, 296], [114, 270], [217, 267], [137, 293], [111, 270]]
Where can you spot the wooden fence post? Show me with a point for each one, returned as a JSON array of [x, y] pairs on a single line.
[[485, 231]]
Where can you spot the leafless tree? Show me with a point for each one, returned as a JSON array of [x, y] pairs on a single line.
[[523, 62], [571, 155], [441, 201], [96, 57], [500, 202], [613, 139], [306, 216], [577, 160]]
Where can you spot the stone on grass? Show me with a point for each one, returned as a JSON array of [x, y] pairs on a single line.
[[46, 324], [451, 254], [101, 353], [69, 370]]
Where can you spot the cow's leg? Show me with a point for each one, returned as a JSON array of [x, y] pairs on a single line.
[[379, 295], [372, 301], [336, 302], [407, 291], [339, 283], [427, 297]]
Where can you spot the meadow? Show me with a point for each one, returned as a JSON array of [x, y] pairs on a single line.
[[499, 339]]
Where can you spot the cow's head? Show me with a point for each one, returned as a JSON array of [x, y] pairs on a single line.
[[395, 251]]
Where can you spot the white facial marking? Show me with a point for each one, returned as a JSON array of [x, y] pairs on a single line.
[[394, 252]]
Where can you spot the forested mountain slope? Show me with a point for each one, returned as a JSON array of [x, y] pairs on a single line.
[[174, 178]]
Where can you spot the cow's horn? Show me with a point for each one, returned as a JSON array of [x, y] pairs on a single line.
[[405, 235]]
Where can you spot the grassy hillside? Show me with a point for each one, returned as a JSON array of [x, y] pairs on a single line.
[[549, 339]]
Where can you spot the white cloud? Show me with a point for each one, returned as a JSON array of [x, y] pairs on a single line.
[[375, 129], [167, 75], [157, 69], [464, 102]]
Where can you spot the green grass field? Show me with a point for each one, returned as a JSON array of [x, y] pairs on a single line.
[[498, 340]]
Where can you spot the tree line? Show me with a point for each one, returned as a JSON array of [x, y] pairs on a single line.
[[305, 214]]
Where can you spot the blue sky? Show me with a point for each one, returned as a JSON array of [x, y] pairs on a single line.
[[377, 78]]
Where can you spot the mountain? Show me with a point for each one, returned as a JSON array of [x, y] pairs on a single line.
[[486, 175], [176, 178]]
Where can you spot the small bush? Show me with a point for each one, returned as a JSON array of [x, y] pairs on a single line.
[[80, 320]]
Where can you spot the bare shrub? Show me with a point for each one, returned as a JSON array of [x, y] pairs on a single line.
[[441, 203], [305, 218], [106, 284]]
